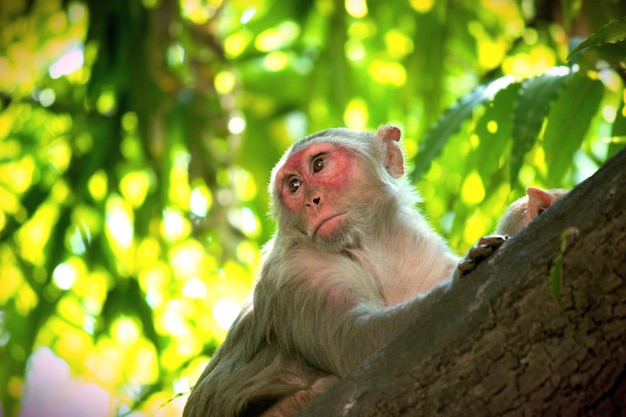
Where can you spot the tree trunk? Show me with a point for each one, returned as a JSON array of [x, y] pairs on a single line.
[[500, 343]]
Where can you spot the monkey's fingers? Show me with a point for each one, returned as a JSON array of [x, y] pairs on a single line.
[[485, 247], [495, 240], [465, 266]]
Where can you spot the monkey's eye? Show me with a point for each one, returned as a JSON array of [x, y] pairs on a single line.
[[294, 184], [319, 163]]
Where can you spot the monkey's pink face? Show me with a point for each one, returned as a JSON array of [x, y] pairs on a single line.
[[317, 185]]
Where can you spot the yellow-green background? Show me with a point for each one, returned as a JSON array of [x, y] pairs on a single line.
[[137, 137]]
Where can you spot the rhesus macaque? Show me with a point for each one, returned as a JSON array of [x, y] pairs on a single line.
[[526, 209], [516, 217], [351, 264]]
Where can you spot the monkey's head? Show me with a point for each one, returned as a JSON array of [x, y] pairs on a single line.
[[526, 209], [329, 187]]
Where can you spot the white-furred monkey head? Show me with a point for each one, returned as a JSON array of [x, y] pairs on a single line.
[[526, 209], [325, 186]]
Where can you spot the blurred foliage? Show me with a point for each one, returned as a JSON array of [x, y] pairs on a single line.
[[137, 137]]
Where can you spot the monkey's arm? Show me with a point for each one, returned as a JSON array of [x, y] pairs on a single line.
[[335, 331]]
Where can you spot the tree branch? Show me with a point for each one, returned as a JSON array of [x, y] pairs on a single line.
[[499, 343]]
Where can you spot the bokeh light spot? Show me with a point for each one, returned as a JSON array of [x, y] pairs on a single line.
[[225, 312]]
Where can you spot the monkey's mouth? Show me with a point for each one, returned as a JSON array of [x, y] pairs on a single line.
[[329, 225]]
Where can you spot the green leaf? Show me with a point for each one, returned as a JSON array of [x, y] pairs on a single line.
[[533, 104], [619, 124], [618, 131], [556, 268], [570, 9], [450, 122], [612, 32], [494, 130], [556, 272], [128, 299], [568, 122]]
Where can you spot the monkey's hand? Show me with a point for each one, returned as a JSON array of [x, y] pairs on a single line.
[[481, 250]]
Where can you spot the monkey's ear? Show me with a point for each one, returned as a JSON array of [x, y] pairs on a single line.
[[538, 201], [394, 161]]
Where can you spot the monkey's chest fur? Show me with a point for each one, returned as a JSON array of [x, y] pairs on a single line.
[[402, 271]]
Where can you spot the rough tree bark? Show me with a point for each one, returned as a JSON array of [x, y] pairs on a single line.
[[499, 343]]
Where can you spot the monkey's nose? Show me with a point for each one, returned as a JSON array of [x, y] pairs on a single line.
[[316, 201]]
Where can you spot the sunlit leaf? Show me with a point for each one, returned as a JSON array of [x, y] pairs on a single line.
[[568, 123], [612, 32], [12, 278], [535, 97], [619, 125], [127, 299], [618, 130], [494, 133], [450, 122]]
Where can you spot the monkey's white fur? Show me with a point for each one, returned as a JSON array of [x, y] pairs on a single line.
[[320, 307]]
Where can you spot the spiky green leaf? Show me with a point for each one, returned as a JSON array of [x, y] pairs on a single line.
[[536, 95], [494, 133], [450, 122], [612, 32], [568, 123]]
